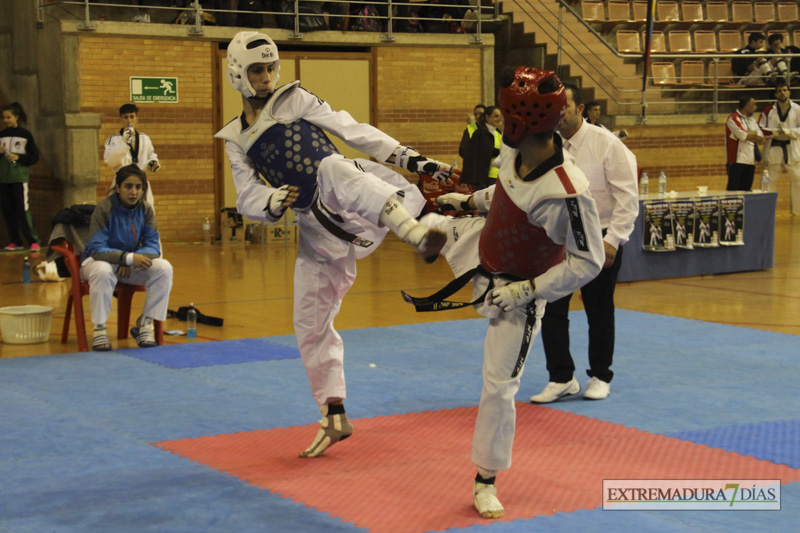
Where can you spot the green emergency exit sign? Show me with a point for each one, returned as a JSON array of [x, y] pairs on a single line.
[[156, 89]]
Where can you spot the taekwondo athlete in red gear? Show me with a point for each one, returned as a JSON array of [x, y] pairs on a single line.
[[344, 207], [540, 241]]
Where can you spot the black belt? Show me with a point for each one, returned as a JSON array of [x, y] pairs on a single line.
[[335, 230], [437, 302], [784, 145]]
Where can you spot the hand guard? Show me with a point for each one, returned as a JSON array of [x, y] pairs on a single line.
[[411, 160], [454, 201], [275, 208], [154, 165], [513, 295]]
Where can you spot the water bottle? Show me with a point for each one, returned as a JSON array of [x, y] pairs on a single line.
[[662, 184], [191, 322], [644, 185], [26, 270], [765, 180], [207, 231]]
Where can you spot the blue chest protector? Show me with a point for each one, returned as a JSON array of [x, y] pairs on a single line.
[[290, 154]]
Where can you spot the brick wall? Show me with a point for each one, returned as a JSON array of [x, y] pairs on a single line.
[[425, 94], [182, 133]]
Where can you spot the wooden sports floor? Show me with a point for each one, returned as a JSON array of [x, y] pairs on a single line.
[[250, 287]]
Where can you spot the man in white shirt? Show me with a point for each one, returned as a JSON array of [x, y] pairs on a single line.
[[611, 170], [741, 136], [131, 147], [780, 122]]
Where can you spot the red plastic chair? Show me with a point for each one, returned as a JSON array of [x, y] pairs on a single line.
[[79, 289]]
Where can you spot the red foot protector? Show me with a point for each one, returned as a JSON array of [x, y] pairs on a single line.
[[413, 473]]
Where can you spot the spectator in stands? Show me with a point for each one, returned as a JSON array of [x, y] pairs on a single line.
[[753, 70], [780, 122], [447, 16], [742, 135], [591, 114], [780, 65]]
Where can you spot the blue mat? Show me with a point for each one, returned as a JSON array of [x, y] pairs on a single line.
[[773, 441], [75, 429], [192, 355]]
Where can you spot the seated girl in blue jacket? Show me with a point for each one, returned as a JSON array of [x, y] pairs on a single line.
[[124, 246]]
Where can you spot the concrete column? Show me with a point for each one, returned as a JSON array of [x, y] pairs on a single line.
[[82, 165]]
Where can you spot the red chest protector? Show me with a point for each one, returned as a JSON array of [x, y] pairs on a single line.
[[510, 244]]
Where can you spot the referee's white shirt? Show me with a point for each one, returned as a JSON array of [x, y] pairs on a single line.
[[611, 169]]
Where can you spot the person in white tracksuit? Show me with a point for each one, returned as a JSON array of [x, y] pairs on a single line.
[[131, 147], [344, 207], [541, 241]]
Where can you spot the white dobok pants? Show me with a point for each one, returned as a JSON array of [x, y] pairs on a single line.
[[776, 165], [102, 278], [493, 438], [326, 265]]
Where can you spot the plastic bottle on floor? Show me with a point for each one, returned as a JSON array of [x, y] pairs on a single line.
[[26, 270], [191, 322]]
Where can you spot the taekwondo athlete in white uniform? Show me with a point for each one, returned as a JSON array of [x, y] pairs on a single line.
[[541, 240], [281, 157]]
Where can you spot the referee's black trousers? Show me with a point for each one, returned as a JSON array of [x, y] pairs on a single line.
[[598, 300]]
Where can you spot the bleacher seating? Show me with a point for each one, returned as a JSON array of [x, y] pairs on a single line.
[[693, 26], [692, 11], [764, 12], [705, 42], [628, 42], [742, 12], [680, 42], [693, 72], [725, 75], [717, 12], [729, 41], [592, 11], [667, 11], [663, 73], [787, 12], [619, 10], [639, 10], [659, 43]]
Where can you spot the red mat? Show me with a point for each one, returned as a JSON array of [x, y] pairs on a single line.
[[412, 473]]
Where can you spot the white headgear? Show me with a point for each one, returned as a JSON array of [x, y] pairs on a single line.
[[245, 50]]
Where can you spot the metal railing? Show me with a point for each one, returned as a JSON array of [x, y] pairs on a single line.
[[303, 14], [549, 19]]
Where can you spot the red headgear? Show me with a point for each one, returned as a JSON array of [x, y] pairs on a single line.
[[527, 111]]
